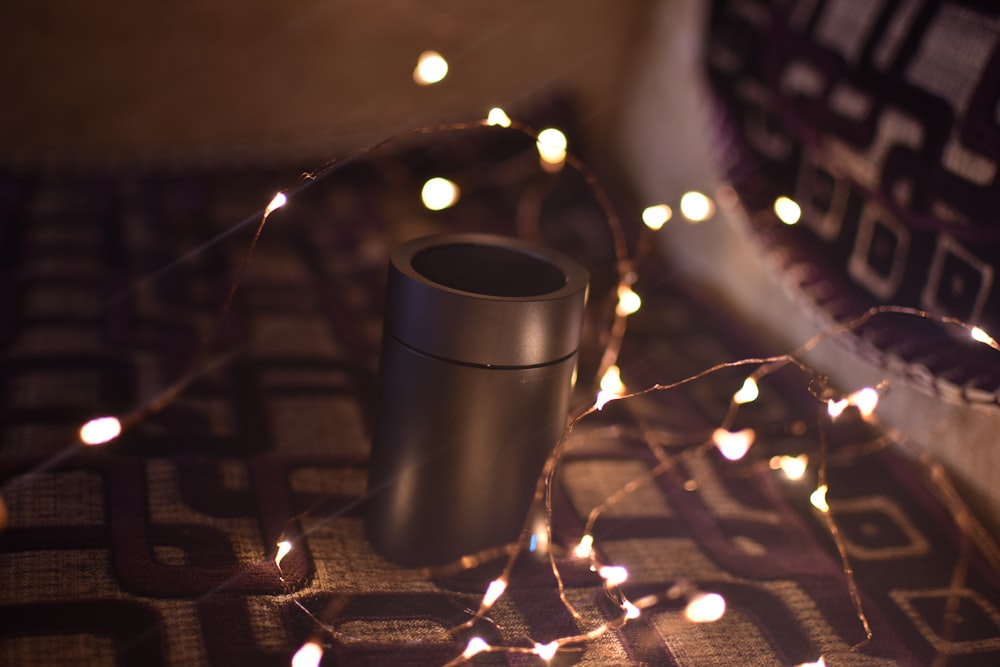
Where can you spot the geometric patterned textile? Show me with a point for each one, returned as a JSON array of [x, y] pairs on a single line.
[[881, 121], [159, 548]]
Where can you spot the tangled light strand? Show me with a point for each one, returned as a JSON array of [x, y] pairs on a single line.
[[701, 607]]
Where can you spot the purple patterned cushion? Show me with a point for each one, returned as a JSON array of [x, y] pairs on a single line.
[[881, 120]]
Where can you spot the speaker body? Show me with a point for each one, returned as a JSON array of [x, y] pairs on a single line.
[[478, 354]]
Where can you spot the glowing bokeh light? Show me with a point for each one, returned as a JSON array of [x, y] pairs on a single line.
[[494, 591], [552, 145], [748, 393], [475, 646], [794, 467], [865, 400], [836, 408], [612, 387], [818, 498], [787, 210], [546, 651], [100, 430], [628, 301], [819, 663], [733, 444], [696, 206], [603, 398], [551, 139], [631, 611], [497, 117], [309, 655], [615, 575], [585, 547], [656, 216], [705, 608], [612, 381], [276, 202], [539, 541], [284, 548], [646, 601], [439, 193], [980, 336], [431, 68]]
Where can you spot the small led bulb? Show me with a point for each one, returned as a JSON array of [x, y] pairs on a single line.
[[696, 206], [439, 193], [431, 68], [705, 608], [656, 216], [748, 393], [475, 646], [284, 548], [733, 444], [498, 118], [100, 430], [615, 575], [546, 651], [276, 202], [787, 210], [628, 301], [309, 655], [494, 591], [552, 146], [818, 498], [980, 336], [865, 400]]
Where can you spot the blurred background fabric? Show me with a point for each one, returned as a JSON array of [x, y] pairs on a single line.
[[879, 119], [207, 82]]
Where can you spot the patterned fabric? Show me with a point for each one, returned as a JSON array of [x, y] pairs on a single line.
[[881, 120], [158, 549]]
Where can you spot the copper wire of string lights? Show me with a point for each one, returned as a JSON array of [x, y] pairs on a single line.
[[700, 606]]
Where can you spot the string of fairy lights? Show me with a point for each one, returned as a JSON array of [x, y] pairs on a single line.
[[733, 444]]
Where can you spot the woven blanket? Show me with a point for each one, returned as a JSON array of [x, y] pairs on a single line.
[[161, 546]]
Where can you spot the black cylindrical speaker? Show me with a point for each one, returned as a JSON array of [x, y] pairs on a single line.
[[478, 353]]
